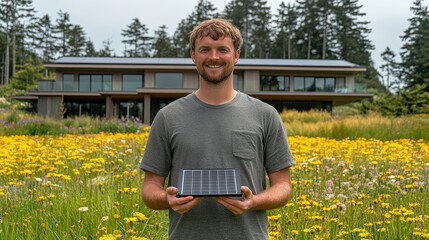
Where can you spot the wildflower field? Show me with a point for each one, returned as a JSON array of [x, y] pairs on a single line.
[[88, 187]]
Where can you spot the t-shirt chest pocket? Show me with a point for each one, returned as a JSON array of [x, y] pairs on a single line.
[[244, 144]]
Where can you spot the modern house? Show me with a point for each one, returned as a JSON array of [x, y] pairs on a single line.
[[112, 87]]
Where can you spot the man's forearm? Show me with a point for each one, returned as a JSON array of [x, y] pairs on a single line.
[[154, 195], [274, 197]]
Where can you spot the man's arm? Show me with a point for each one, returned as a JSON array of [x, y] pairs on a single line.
[[277, 195], [156, 197]]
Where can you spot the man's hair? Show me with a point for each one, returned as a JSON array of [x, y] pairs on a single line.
[[216, 28]]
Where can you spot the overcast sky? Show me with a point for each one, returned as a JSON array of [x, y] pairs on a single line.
[[105, 19]]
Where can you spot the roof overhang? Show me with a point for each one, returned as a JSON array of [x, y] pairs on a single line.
[[298, 65]]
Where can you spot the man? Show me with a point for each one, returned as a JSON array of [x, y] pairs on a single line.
[[217, 127]]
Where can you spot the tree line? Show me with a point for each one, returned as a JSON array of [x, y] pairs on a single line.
[[304, 29]]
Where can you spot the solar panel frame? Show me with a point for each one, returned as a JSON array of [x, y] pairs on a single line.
[[211, 182]]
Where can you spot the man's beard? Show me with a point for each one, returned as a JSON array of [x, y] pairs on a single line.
[[215, 79]]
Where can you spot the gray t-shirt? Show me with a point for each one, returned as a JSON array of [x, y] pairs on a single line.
[[245, 133]]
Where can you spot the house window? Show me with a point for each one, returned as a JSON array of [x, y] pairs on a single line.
[[131, 109], [168, 80], [274, 83], [68, 82], [298, 84], [315, 84], [130, 82], [95, 82], [84, 83]]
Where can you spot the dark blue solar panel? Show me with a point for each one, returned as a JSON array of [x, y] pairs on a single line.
[[209, 182]]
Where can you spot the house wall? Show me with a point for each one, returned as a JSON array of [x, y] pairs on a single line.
[[251, 81], [49, 106]]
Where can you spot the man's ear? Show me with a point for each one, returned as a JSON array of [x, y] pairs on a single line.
[[236, 56], [193, 56]]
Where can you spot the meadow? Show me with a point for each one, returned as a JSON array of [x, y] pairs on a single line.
[[87, 186]]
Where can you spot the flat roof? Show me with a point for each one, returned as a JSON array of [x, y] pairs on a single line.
[[242, 62]]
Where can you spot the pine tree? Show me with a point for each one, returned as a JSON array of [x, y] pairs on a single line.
[[352, 42], [27, 77], [204, 10], [136, 37], [415, 50], [163, 46], [106, 51], [239, 13], [90, 49], [12, 13], [76, 41], [63, 28], [261, 30], [286, 25], [45, 38], [308, 33], [391, 70]]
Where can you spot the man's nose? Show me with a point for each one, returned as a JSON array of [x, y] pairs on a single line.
[[214, 54]]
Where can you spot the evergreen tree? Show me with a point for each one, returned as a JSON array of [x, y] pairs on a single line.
[[106, 51], [261, 30], [352, 43], [286, 25], [45, 38], [27, 77], [415, 50], [12, 14], [390, 69], [76, 41], [63, 28], [136, 37], [90, 49], [203, 11], [181, 39], [239, 13], [309, 41], [163, 46]]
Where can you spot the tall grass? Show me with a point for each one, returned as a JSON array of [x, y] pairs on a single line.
[[323, 124], [20, 123]]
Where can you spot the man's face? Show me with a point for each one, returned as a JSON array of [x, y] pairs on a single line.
[[215, 59]]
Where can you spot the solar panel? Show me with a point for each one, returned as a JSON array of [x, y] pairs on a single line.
[[209, 182]]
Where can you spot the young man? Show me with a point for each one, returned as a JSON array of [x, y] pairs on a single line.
[[217, 127]]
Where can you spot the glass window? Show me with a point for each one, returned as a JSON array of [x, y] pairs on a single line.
[[131, 109], [329, 84], [130, 82], [286, 84], [168, 80], [298, 83], [84, 83], [96, 83], [341, 83], [265, 83], [274, 83], [309, 84], [107, 82], [68, 82], [320, 84]]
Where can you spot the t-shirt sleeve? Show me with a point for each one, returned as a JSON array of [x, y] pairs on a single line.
[[277, 151], [157, 154]]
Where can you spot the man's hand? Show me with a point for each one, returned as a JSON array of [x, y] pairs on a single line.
[[180, 205], [238, 207]]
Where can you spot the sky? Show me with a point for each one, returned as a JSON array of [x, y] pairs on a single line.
[[105, 19]]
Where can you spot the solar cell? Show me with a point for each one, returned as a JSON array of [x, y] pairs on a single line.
[[209, 182]]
